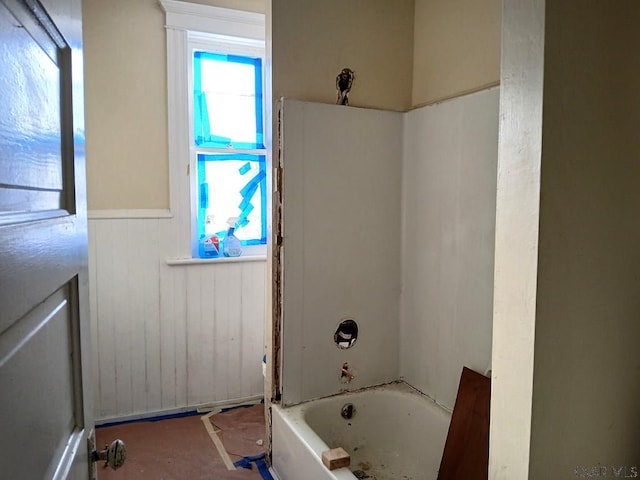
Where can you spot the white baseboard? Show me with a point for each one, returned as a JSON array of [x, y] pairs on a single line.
[[177, 411]]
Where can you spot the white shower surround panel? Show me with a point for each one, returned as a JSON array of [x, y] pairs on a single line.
[[341, 247], [448, 229], [342, 237]]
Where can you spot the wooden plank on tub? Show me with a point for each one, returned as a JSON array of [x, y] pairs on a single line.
[[466, 451]]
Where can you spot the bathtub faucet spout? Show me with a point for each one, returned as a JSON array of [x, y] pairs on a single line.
[[346, 375]]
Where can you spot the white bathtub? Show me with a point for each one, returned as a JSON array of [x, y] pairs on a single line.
[[395, 433]]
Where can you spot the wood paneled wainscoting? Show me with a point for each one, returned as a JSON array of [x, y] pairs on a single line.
[[168, 337]]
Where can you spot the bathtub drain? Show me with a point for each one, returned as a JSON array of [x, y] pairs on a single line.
[[347, 411]]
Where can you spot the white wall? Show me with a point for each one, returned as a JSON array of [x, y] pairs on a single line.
[[517, 221], [343, 238], [341, 247], [448, 212], [168, 337]]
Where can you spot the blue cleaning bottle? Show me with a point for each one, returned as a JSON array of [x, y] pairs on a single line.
[[209, 246], [231, 246]]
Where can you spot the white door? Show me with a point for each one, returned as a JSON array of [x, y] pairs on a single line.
[[45, 410]]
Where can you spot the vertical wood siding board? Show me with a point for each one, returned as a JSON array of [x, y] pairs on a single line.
[[161, 330], [99, 354], [261, 334], [253, 317], [177, 333], [219, 367], [149, 326], [165, 352], [231, 323], [257, 324], [262, 319], [213, 322], [167, 338], [229, 320], [130, 307], [180, 340], [117, 315], [189, 347], [189, 351], [137, 298], [221, 330], [167, 310], [107, 319], [149, 318], [107, 327], [169, 318], [194, 340], [153, 373], [141, 283], [93, 309], [243, 343], [156, 377], [207, 285], [235, 333]]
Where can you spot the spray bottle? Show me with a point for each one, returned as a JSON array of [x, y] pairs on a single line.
[[231, 246]]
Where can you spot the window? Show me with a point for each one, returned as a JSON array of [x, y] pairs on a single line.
[[228, 140], [232, 186], [227, 100], [217, 124]]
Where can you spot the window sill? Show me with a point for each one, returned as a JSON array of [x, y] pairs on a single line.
[[173, 262]]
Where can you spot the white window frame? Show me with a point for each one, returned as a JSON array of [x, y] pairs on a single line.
[[190, 25]]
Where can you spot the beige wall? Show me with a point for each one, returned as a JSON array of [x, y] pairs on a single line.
[[456, 48], [126, 107], [313, 40], [126, 101], [565, 384], [587, 363]]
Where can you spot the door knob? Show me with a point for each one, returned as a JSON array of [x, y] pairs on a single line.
[[114, 455]]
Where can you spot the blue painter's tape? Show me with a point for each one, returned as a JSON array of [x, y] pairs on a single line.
[[221, 157], [251, 187], [243, 463], [204, 195], [263, 219], [264, 470], [246, 203], [245, 168], [259, 460]]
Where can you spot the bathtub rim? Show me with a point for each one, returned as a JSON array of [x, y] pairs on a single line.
[[293, 416]]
